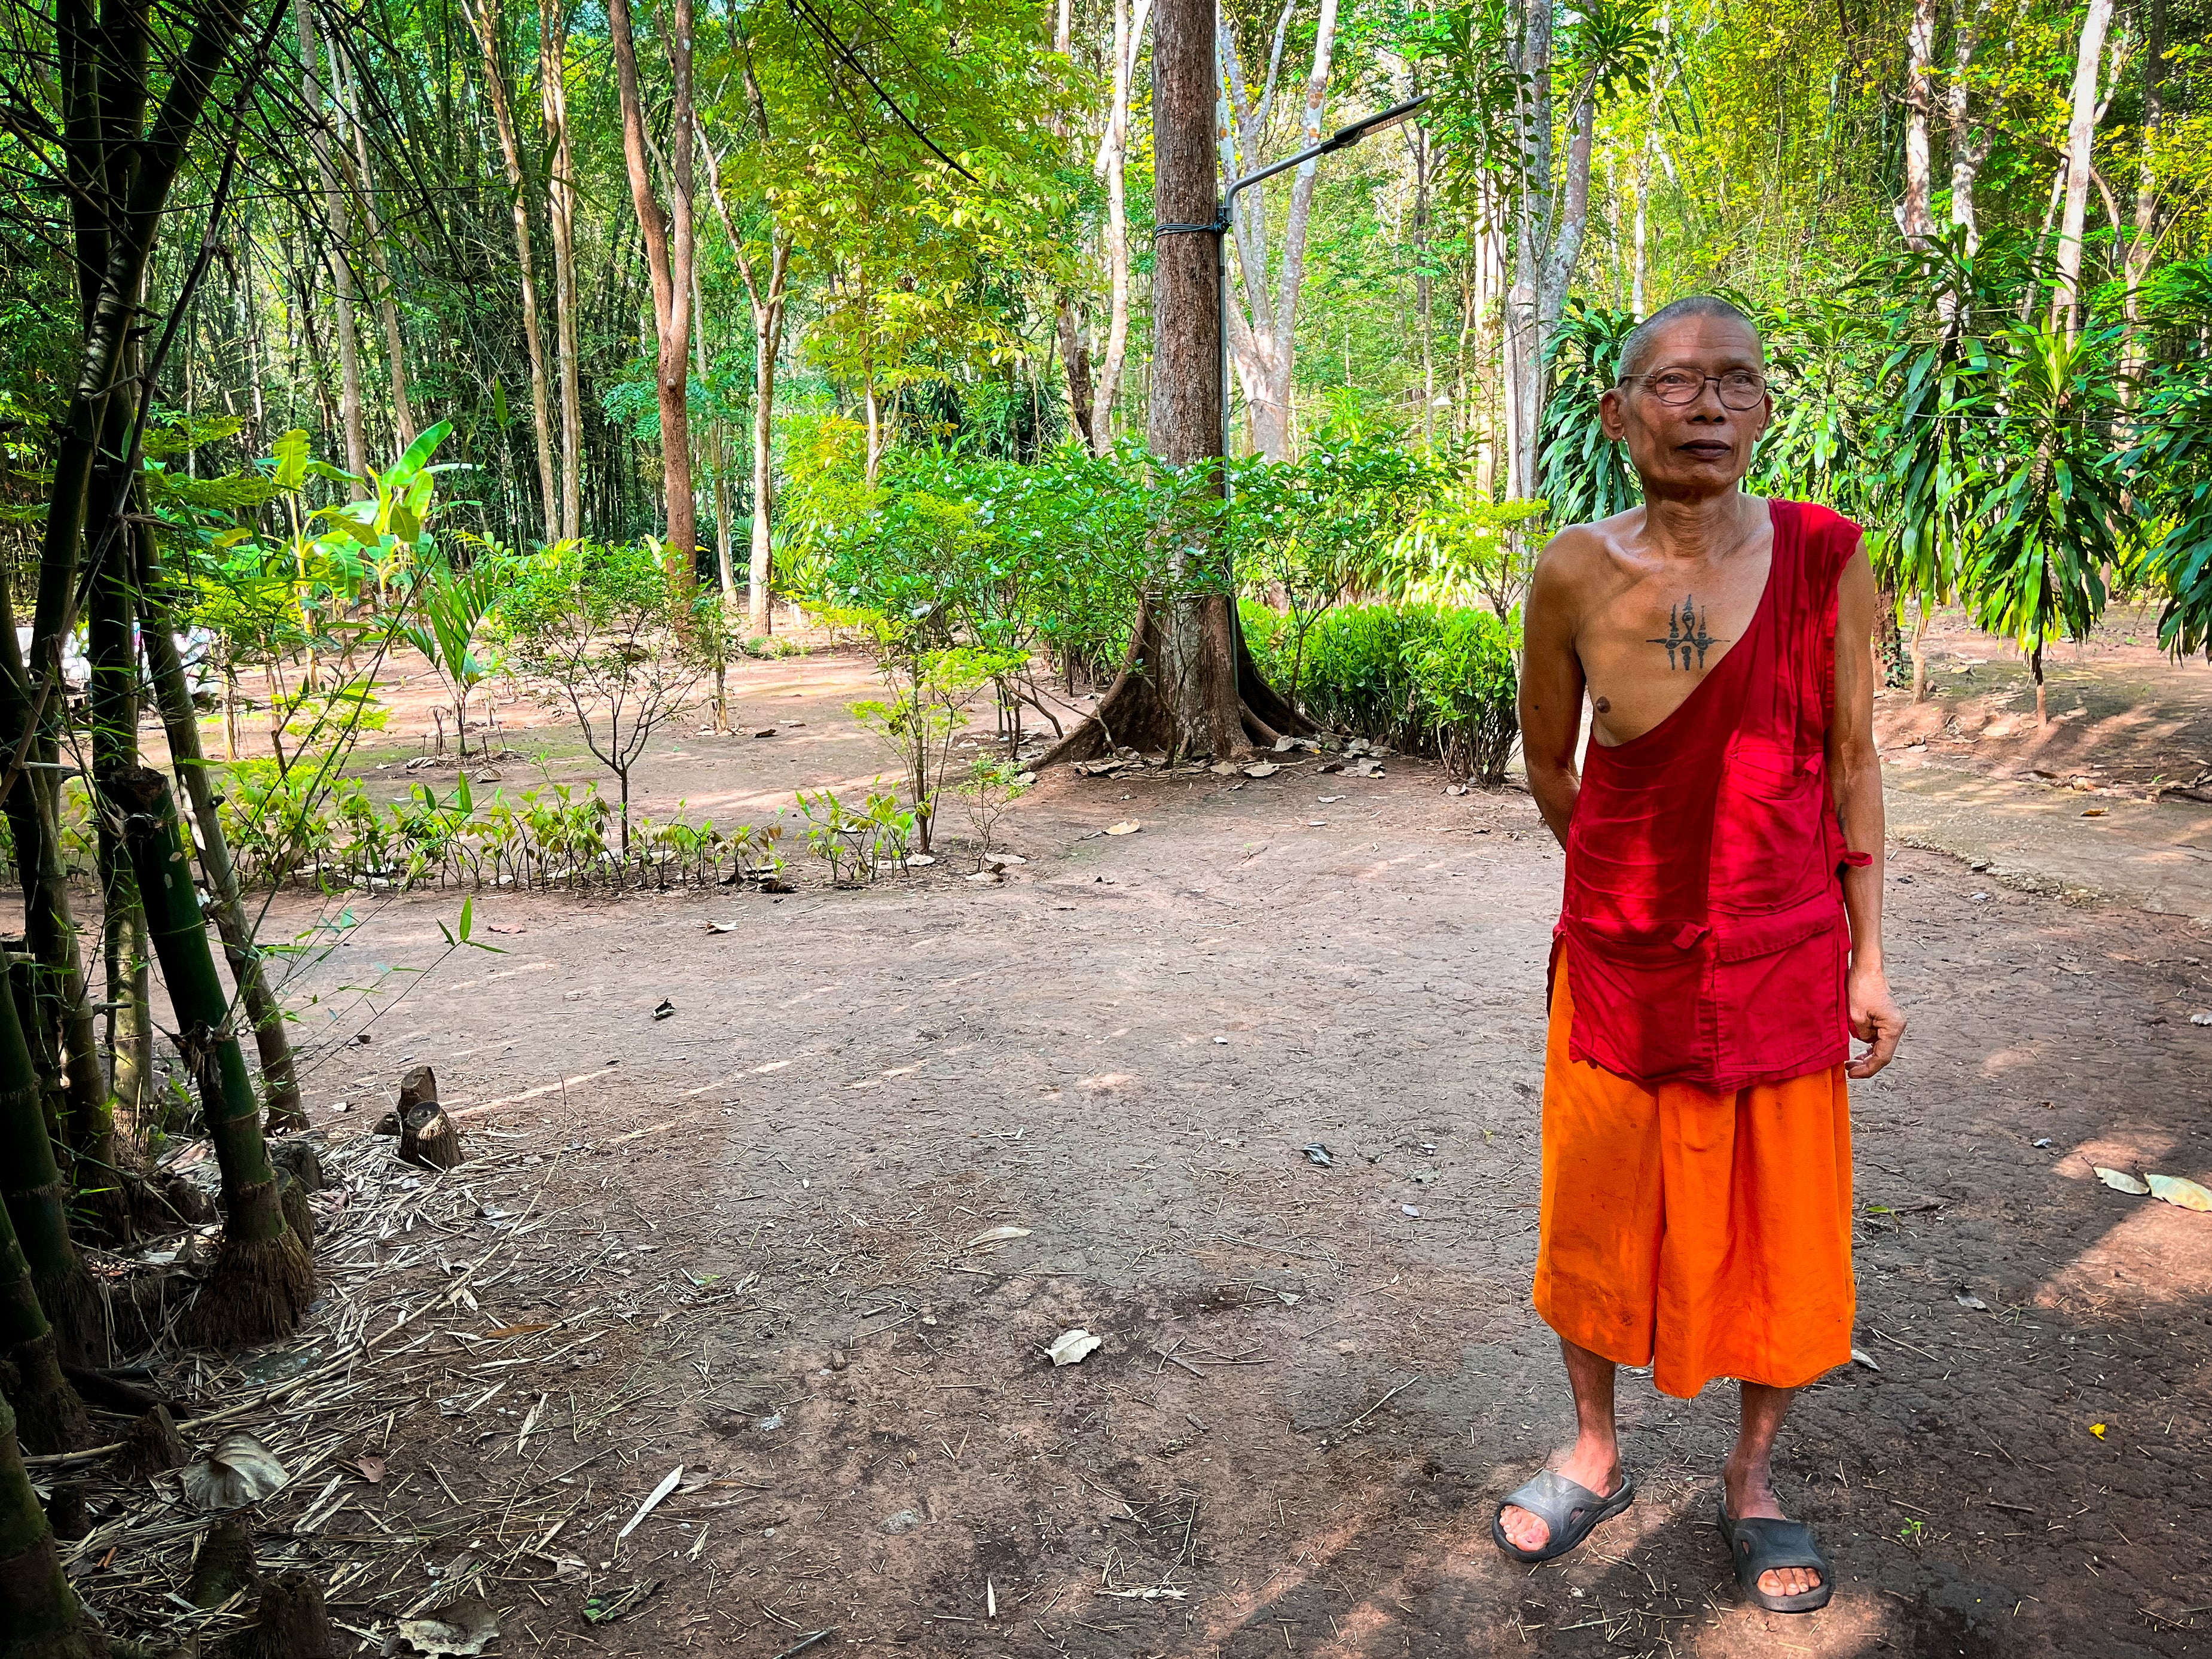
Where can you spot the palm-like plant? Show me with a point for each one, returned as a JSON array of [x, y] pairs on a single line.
[[2170, 464], [450, 608], [2050, 521], [1585, 474]]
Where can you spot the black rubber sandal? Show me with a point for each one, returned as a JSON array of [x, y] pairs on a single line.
[[1757, 1546], [1569, 1511]]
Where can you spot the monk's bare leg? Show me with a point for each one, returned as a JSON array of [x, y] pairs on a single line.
[[1593, 1460], [1748, 1477]]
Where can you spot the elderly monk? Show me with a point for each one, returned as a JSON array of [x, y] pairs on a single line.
[[1720, 936]]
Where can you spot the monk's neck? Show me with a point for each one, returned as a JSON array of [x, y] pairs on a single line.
[[1700, 530]]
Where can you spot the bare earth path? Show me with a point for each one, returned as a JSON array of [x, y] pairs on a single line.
[[1313, 1383]]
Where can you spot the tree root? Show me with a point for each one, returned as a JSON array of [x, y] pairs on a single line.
[[256, 1293]]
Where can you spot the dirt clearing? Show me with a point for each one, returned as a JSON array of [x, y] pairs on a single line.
[[767, 1237]]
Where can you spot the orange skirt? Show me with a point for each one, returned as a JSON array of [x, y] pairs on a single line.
[[1703, 1235]]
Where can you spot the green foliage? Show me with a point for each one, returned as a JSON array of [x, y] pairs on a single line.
[[2171, 461], [597, 624], [856, 846], [2051, 522], [1427, 679], [1585, 474]]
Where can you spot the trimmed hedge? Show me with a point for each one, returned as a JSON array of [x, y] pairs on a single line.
[[1432, 680]]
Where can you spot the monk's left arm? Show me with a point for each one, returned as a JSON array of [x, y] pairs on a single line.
[[1854, 775]]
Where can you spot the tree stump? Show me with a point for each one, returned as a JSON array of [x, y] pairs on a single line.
[[427, 1135], [291, 1623], [153, 1444], [224, 1565], [301, 1158]]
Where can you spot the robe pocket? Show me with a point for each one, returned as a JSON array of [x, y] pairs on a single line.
[[1778, 988], [1641, 1009], [1769, 843]]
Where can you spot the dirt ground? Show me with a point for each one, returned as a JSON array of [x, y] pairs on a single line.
[[741, 1238]]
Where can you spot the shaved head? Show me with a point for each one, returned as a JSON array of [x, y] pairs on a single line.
[[1636, 350]]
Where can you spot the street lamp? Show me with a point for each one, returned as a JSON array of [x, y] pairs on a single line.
[[1342, 138]]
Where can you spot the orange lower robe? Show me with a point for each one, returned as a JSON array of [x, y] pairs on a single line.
[[1706, 1235]]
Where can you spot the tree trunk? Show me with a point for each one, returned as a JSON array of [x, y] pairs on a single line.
[[1264, 342], [36, 1203], [2143, 240], [388, 305], [484, 21], [280, 1080], [39, 1614], [724, 574], [1075, 364], [1115, 152], [263, 1278], [336, 253], [1180, 688], [2081, 139], [668, 255], [1915, 218], [560, 214]]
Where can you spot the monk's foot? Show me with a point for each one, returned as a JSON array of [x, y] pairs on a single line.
[[1750, 1493], [1587, 1463]]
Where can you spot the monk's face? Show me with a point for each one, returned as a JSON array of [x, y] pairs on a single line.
[[1701, 446]]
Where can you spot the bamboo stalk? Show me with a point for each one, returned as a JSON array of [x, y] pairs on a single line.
[[263, 1277], [51, 1417], [40, 1615], [36, 1202], [279, 1076]]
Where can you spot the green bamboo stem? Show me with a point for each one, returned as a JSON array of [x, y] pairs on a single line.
[[49, 1416], [40, 1615], [263, 1277], [36, 1203], [279, 1076]]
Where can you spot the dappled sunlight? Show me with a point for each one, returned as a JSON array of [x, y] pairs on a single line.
[[2154, 1254]]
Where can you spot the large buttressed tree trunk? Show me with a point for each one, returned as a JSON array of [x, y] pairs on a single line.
[[1265, 342], [668, 254], [1189, 686]]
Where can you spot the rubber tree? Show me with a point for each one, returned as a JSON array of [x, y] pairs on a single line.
[[262, 1277], [37, 1202], [40, 1617], [280, 1080]]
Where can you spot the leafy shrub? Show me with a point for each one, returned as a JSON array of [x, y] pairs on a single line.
[[1432, 680]]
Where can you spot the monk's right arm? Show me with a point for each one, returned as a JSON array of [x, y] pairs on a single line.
[[1550, 692]]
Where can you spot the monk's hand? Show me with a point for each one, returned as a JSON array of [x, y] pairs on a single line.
[[1875, 1019]]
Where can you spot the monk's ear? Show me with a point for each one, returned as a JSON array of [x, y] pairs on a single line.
[[1613, 414]]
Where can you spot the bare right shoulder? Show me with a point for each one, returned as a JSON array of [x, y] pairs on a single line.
[[1575, 566]]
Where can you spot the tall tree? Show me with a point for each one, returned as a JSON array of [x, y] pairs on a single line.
[[2080, 141], [1263, 329], [484, 22], [336, 250], [668, 256], [1188, 685], [1916, 217], [560, 219]]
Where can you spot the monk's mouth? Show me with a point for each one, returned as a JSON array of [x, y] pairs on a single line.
[[1708, 452]]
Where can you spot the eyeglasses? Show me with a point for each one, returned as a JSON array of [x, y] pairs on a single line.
[[1740, 388]]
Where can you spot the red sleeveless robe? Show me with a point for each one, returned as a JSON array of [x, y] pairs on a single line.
[[1703, 922]]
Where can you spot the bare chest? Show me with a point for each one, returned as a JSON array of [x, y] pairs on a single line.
[[1651, 640]]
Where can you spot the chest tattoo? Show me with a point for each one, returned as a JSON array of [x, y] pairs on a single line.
[[1686, 634]]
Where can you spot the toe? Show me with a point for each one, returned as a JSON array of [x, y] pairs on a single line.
[[1526, 1530]]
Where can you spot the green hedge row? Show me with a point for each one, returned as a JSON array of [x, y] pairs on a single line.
[[1432, 680]]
